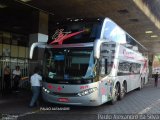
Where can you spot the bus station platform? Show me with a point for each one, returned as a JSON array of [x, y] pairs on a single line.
[[143, 102]]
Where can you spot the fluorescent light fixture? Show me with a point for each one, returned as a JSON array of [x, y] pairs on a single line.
[[68, 18], [25, 0], [76, 20], [153, 36], [149, 31], [2, 6]]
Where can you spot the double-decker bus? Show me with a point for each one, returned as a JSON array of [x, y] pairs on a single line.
[[89, 63]]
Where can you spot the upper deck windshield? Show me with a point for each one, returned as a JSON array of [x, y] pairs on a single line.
[[76, 31], [68, 64]]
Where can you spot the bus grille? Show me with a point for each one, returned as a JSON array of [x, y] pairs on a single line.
[[64, 94]]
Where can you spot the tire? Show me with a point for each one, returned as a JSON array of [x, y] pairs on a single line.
[[115, 94], [141, 85], [123, 91]]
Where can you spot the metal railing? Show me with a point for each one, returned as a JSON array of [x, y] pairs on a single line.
[[23, 63]]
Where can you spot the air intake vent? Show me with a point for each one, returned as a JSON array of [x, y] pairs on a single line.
[[123, 11], [134, 20]]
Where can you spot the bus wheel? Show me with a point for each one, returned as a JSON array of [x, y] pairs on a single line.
[[141, 84], [123, 91], [115, 94]]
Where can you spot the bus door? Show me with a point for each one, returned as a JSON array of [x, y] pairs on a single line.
[[103, 81], [134, 75]]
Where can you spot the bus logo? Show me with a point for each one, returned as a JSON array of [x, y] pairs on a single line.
[[59, 88], [128, 54]]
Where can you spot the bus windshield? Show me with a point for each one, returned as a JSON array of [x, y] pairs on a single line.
[[68, 64]]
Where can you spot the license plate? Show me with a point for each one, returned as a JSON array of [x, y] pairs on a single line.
[[63, 100]]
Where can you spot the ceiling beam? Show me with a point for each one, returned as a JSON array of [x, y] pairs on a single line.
[[145, 9]]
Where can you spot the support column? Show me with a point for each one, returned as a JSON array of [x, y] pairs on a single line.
[[39, 34], [150, 57]]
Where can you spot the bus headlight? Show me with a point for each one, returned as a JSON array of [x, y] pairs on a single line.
[[46, 90], [87, 92]]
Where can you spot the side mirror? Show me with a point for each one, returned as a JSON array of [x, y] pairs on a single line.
[[34, 45], [97, 47]]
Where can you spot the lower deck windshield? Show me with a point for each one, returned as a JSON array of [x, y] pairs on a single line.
[[68, 64]]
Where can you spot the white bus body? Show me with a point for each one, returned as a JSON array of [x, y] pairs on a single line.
[[93, 73]]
